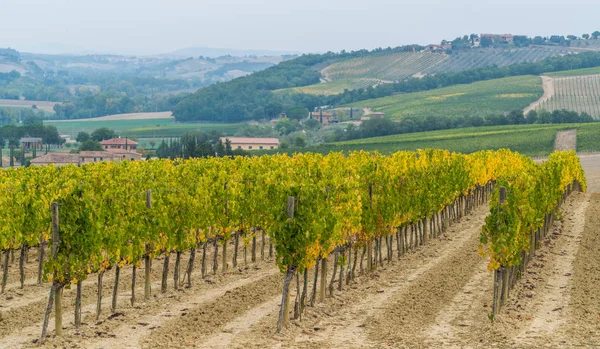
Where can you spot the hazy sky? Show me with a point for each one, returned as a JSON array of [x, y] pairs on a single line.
[[153, 26]]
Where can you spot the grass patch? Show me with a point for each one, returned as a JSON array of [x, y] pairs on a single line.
[[576, 72], [142, 128]]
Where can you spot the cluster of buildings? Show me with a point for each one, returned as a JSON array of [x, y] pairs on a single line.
[[116, 149], [507, 39]]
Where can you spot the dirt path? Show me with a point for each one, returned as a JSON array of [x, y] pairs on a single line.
[[548, 85], [566, 140]]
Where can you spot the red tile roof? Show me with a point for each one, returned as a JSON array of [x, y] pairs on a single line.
[[250, 140], [118, 141]]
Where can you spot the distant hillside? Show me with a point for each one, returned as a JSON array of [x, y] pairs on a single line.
[[294, 83], [218, 52], [374, 70]]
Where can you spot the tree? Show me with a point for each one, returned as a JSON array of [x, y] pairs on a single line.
[[312, 124], [152, 144], [486, 41], [82, 137], [285, 126], [596, 34], [572, 37], [102, 134], [538, 40], [33, 119], [585, 36], [91, 145], [300, 142], [297, 113]]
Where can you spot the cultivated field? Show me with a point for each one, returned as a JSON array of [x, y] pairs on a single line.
[[45, 106], [130, 116], [499, 57], [141, 128], [531, 140], [393, 67], [576, 93], [434, 296], [332, 87], [480, 98]]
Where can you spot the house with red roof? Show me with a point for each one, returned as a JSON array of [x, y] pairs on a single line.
[[119, 143]]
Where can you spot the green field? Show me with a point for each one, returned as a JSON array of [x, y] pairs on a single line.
[[576, 72], [480, 98], [532, 140], [149, 128], [332, 87]]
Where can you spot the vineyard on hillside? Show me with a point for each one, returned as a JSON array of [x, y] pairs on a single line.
[[107, 216], [480, 98], [576, 93], [379, 69], [392, 67], [459, 61]]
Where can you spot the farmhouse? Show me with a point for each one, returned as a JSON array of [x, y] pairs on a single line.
[[323, 117], [57, 159], [249, 143], [119, 143], [68, 139], [84, 157], [28, 143], [500, 38], [433, 48]]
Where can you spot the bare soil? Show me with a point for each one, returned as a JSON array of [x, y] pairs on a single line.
[[566, 140], [437, 296]]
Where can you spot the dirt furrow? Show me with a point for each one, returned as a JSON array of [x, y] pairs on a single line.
[[456, 318], [546, 324], [583, 319], [192, 325], [345, 321], [408, 314]]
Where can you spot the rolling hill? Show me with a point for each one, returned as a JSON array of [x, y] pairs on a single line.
[[376, 69]]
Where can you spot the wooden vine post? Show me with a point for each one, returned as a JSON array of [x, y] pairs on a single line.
[[147, 259], [41, 259], [284, 312], [498, 274], [56, 290]]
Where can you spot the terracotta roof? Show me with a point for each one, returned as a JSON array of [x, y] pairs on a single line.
[[53, 158], [31, 140], [250, 140], [318, 114], [107, 154], [118, 141], [121, 151], [96, 153]]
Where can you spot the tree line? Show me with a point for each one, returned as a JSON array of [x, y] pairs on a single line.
[[196, 145], [384, 127]]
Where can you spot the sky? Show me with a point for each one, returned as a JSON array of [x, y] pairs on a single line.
[[145, 27]]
